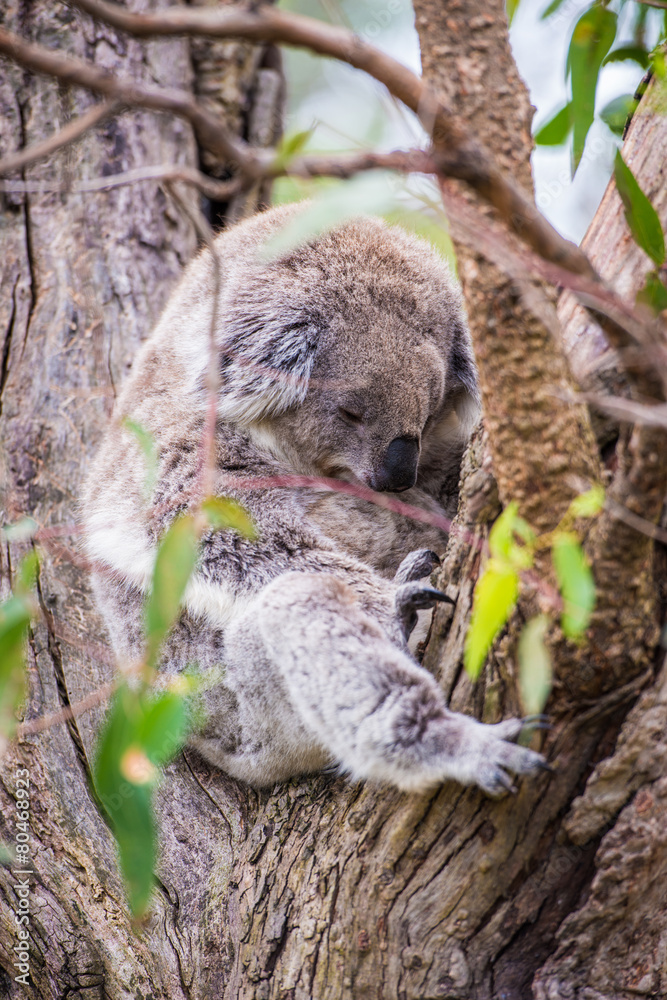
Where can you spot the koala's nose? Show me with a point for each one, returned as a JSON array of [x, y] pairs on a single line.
[[398, 471]]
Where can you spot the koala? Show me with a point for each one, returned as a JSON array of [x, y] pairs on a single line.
[[346, 358]]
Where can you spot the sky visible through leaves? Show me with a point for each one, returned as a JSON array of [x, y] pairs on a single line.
[[350, 111]]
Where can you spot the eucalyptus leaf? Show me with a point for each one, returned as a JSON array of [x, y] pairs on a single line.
[[555, 131], [588, 504], [654, 293], [512, 7], [15, 616], [223, 512], [640, 215], [147, 444], [631, 53], [290, 146], [535, 672], [371, 193], [575, 582], [142, 732], [174, 563], [502, 541], [592, 37], [551, 9], [495, 596], [616, 113]]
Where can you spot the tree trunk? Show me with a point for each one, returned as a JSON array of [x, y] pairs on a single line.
[[320, 889]]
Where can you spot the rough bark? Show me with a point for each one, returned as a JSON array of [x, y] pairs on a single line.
[[320, 889]]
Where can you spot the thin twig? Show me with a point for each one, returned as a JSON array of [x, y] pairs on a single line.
[[216, 190], [626, 410], [340, 166], [456, 153], [69, 712], [204, 231], [622, 513], [67, 135]]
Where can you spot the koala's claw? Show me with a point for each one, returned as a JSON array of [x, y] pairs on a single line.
[[414, 597], [417, 565], [536, 722], [501, 755]]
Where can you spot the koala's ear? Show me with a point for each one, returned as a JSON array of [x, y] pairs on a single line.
[[462, 386], [265, 364]]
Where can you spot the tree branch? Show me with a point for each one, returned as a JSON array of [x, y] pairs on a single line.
[[210, 132], [70, 133], [455, 152], [341, 165]]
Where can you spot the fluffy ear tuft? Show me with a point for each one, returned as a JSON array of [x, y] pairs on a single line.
[[265, 364], [462, 386]]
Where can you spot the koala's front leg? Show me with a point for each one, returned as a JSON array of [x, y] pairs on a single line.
[[368, 703]]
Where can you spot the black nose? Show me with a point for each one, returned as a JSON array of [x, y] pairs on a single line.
[[399, 467]]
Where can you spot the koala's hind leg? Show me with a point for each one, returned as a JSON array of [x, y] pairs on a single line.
[[368, 703]]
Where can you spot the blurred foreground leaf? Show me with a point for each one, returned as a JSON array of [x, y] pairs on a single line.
[[535, 674], [142, 732]]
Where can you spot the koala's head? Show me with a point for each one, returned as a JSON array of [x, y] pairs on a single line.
[[350, 352]]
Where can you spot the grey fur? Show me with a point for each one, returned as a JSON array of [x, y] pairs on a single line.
[[327, 356]]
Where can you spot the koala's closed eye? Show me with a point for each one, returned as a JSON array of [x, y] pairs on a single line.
[[350, 416]]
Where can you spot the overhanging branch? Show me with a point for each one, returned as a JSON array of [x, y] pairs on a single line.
[[456, 153]]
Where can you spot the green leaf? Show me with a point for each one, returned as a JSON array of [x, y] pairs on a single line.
[[659, 63], [495, 595], [26, 576], [502, 542], [371, 193], [142, 732], [588, 504], [146, 442], [654, 293], [535, 673], [575, 582], [222, 512], [640, 215], [427, 228], [592, 37], [290, 146], [174, 563], [512, 7], [15, 616], [633, 53], [555, 131], [616, 113], [551, 9], [164, 727]]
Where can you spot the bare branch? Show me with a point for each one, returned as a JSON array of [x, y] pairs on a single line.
[[637, 337], [455, 152], [218, 190], [341, 166], [69, 134], [210, 132], [205, 233], [626, 410], [68, 713]]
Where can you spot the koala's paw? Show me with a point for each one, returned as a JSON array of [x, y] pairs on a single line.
[[500, 756], [414, 597], [417, 565]]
